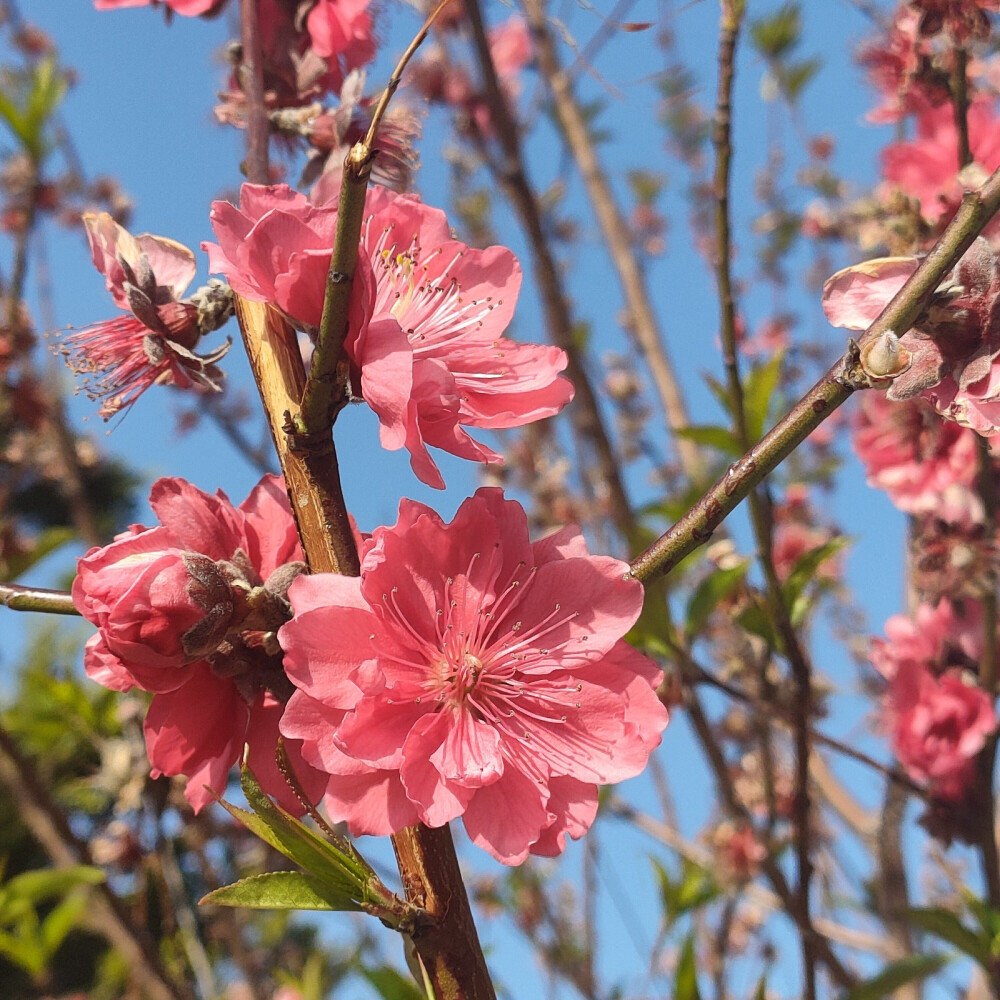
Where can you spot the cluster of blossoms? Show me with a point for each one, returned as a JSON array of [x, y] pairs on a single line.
[[473, 673], [467, 672]]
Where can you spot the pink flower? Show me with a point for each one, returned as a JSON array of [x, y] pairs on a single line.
[[475, 674], [511, 48], [342, 29], [952, 350], [146, 275], [937, 638], [916, 457], [426, 340], [927, 167], [938, 726], [187, 610]]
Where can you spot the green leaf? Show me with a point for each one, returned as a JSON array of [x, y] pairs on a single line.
[[340, 870], [896, 974], [754, 621], [390, 985], [796, 76], [41, 546], [693, 888], [714, 588], [42, 883], [758, 394], [712, 436], [944, 924], [280, 891], [24, 952], [804, 572], [774, 36], [686, 978], [63, 918]]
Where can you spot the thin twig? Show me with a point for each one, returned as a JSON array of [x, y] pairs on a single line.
[[616, 233], [251, 76], [695, 528], [52, 602], [511, 175]]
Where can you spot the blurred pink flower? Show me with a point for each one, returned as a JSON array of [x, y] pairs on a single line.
[[475, 674], [428, 315], [954, 345], [927, 168], [918, 458], [511, 49], [187, 610], [146, 275], [937, 638], [342, 29], [938, 726]]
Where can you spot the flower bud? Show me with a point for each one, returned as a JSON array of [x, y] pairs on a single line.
[[884, 357], [156, 607]]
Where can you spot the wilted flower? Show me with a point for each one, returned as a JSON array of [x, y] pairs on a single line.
[[146, 275], [475, 674], [188, 610]]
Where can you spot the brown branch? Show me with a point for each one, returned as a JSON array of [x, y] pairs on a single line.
[[821, 948], [40, 814], [512, 177], [832, 390], [447, 942], [616, 233], [251, 77]]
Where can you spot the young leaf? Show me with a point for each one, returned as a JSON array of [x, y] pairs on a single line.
[[944, 924], [714, 588], [896, 974], [686, 978], [281, 891], [758, 394], [712, 436], [391, 985]]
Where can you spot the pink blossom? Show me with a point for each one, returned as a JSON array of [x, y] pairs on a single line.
[[426, 339], [898, 67], [927, 167], [511, 48], [475, 674], [938, 726], [342, 29], [916, 457], [187, 610], [952, 350], [146, 275], [938, 637]]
